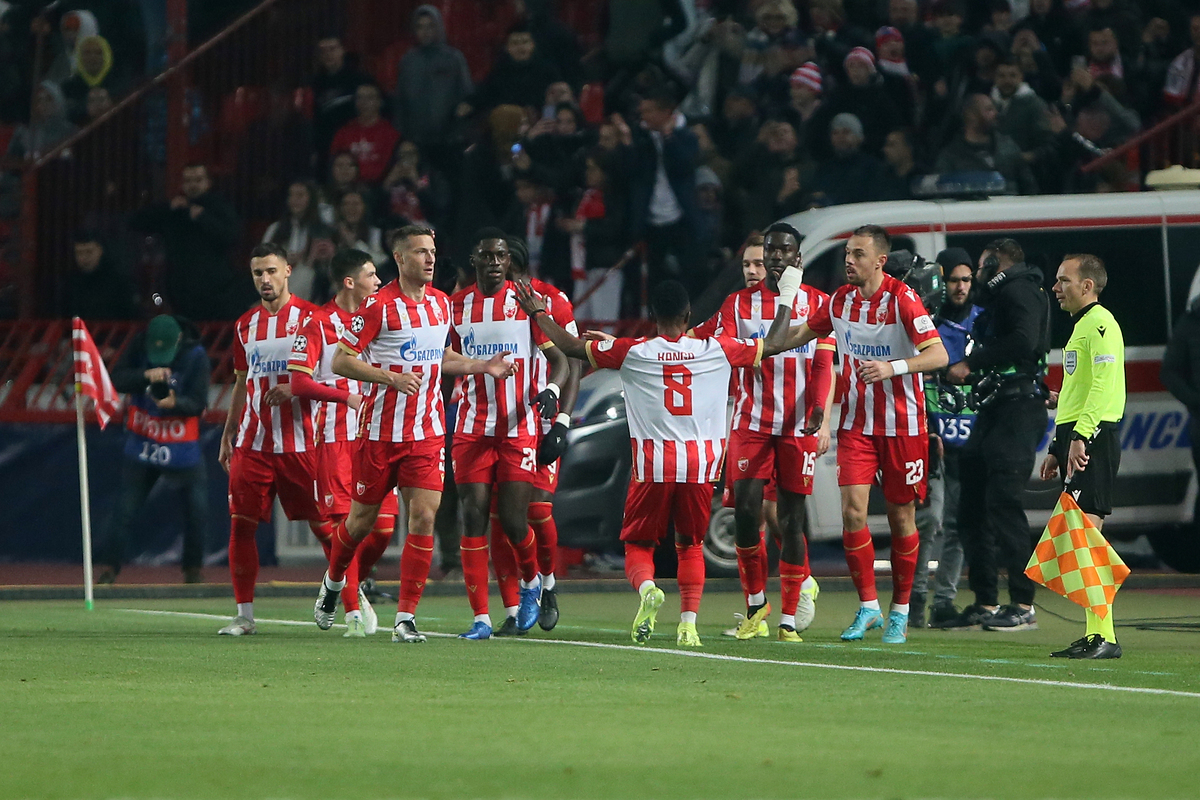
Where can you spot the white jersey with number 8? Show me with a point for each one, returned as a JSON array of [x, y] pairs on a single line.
[[676, 393]]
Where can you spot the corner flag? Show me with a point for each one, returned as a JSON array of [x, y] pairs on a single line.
[[1075, 560], [91, 380]]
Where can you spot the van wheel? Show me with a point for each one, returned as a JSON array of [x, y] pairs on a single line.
[[720, 546], [1178, 546]]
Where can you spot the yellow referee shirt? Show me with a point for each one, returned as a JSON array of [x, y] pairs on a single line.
[[1093, 389]]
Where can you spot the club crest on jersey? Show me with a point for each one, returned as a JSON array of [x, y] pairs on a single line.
[[329, 499], [358, 323], [743, 464], [292, 327], [1070, 360], [437, 314], [510, 309], [360, 487]]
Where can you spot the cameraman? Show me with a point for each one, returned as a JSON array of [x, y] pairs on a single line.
[[165, 372], [1005, 366]]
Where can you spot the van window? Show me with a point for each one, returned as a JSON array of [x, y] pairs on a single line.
[[1183, 243], [1133, 256]]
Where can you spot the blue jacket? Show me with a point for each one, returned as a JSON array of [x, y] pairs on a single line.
[[680, 155], [953, 428]]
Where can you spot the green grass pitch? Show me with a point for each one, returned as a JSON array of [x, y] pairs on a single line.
[[120, 704]]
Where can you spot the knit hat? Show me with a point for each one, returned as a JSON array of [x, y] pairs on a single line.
[[808, 74], [861, 54], [952, 257], [887, 34], [849, 122]]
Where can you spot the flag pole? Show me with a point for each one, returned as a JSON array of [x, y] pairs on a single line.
[[85, 505]]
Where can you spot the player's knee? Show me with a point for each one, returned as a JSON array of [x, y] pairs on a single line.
[[421, 517]]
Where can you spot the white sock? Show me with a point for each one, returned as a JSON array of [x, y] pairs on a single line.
[[645, 587], [900, 607], [510, 611], [484, 618], [808, 583], [871, 604], [332, 586], [547, 581], [788, 619], [756, 599], [353, 615], [246, 610], [529, 584], [688, 616], [402, 616]]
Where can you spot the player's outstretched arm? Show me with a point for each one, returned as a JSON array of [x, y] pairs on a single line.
[[455, 363], [349, 365], [932, 358], [567, 344]]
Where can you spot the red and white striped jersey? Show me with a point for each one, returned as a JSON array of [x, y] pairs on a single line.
[[560, 310], [766, 399], [890, 325], [675, 397], [264, 343], [396, 333], [313, 352], [483, 326]]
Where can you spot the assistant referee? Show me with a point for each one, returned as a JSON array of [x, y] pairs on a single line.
[[1086, 441]]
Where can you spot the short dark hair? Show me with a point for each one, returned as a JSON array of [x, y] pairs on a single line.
[[879, 236], [346, 263], [1006, 250], [662, 96], [269, 249], [1100, 27], [783, 227], [669, 301], [88, 236], [1011, 60], [403, 234], [486, 234], [1090, 268]]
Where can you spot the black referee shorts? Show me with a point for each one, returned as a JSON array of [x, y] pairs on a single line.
[[1093, 487]]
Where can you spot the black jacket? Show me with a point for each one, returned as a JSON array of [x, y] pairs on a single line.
[[190, 368], [1181, 363], [1013, 332]]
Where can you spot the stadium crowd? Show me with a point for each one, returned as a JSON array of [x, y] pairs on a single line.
[[692, 123]]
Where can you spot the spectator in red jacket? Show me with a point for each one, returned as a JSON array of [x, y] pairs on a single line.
[[369, 137]]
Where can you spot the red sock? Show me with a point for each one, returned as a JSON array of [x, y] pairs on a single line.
[[243, 558], [372, 548], [790, 578], [474, 553], [526, 553], [541, 519], [904, 566], [350, 590], [323, 530], [763, 564], [750, 568], [504, 564], [414, 571], [691, 576], [342, 553], [860, 556], [639, 564]]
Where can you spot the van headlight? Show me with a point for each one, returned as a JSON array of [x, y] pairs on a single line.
[[607, 410]]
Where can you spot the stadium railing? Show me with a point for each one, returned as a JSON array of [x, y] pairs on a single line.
[[1174, 140]]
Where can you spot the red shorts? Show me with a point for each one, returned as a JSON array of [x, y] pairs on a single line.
[[255, 479], [651, 507], [547, 478], [495, 459], [336, 466], [790, 460], [897, 461], [379, 467]]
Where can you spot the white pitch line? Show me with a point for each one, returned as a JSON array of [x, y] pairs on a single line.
[[743, 659]]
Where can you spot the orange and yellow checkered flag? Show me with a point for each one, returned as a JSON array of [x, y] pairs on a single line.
[[1073, 559]]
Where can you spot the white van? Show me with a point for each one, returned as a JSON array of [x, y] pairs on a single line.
[[1150, 243]]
